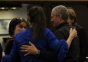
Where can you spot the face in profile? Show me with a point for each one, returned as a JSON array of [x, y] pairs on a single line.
[[20, 27], [70, 21], [54, 19]]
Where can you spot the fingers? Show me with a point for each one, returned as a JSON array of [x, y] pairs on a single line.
[[75, 31], [3, 54], [24, 51], [25, 46], [31, 43], [26, 54], [70, 29]]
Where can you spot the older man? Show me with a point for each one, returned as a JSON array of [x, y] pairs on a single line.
[[59, 17]]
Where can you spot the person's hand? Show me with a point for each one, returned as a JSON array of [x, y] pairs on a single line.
[[29, 49], [3, 54], [73, 33]]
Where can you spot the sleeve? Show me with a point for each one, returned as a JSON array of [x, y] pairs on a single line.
[[49, 56], [13, 55], [59, 46]]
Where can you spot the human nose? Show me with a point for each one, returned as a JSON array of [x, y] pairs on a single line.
[[51, 20], [23, 28]]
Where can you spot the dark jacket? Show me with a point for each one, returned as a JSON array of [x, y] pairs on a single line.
[[8, 47], [74, 50], [83, 43], [0, 52]]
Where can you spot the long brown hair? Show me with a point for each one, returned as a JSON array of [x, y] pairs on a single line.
[[37, 19]]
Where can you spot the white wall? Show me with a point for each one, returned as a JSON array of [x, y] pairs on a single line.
[[22, 12]]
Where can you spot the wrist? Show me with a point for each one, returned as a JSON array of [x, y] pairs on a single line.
[[37, 53], [71, 37]]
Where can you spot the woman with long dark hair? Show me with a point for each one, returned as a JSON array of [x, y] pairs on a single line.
[[40, 36]]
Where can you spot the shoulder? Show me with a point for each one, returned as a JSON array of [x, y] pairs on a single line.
[[64, 29], [9, 41], [47, 30], [48, 33], [22, 33], [80, 28]]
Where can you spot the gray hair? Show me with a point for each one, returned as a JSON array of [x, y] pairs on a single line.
[[60, 9]]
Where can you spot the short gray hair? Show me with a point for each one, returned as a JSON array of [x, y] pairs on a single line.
[[60, 9]]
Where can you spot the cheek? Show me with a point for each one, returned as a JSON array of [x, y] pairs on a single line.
[[56, 20], [53, 20], [69, 22], [17, 30]]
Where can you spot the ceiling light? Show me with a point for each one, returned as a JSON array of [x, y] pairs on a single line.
[[13, 8], [2, 7]]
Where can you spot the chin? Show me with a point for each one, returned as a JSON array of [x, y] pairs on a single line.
[[54, 25]]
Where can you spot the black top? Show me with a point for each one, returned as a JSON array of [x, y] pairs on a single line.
[[9, 46], [83, 42], [0, 52]]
